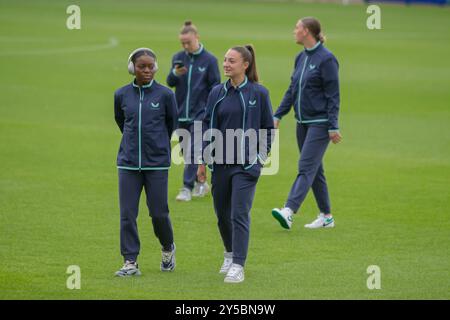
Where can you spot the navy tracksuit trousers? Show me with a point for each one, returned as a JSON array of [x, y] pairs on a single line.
[[190, 170], [155, 183], [233, 190], [312, 142]]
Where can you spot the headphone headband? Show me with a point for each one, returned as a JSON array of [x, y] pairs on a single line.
[[141, 49]]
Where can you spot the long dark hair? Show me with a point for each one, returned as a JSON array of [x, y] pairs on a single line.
[[248, 54]]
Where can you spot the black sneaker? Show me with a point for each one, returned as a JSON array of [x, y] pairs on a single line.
[[168, 260]]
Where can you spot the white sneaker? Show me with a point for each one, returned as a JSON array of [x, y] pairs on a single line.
[[321, 222], [227, 262], [200, 189], [235, 274], [284, 216], [184, 195], [130, 268]]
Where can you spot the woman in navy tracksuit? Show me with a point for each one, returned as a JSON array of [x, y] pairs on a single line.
[[146, 113], [314, 93], [240, 105], [195, 72]]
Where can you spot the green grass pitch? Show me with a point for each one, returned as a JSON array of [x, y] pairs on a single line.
[[389, 179]]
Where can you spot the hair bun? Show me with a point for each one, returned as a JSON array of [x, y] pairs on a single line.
[[188, 23]]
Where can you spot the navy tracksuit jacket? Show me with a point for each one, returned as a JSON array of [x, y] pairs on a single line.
[[314, 94], [233, 185], [191, 91], [147, 117], [314, 89], [256, 113]]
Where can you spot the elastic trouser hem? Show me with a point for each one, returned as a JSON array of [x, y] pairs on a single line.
[[162, 227], [293, 206], [239, 261], [130, 257], [168, 247]]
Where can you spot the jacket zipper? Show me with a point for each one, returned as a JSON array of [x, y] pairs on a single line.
[[189, 88], [243, 129], [300, 89], [141, 98]]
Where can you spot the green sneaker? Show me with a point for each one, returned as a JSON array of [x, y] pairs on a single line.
[[284, 216]]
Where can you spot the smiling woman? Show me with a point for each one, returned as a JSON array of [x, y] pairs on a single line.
[[239, 104]]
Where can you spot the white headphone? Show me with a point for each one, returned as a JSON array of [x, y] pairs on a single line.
[[131, 64]]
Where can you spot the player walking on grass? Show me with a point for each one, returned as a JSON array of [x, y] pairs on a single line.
[[146, 113], [238, 105], [314, 93], [195, 72]]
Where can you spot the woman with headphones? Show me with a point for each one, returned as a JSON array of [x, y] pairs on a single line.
[[238, 113], [314, 93], [146, 114]]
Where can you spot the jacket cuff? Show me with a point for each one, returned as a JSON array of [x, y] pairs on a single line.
[[174, 73], [261, 160]]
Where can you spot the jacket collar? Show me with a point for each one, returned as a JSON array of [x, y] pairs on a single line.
[[227, 85], [196, 53], [146, 86], [310, 51]]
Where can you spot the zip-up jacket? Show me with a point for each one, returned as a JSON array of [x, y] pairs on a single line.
[[256, 114], [192, 88], [314, 88], [147, 117]]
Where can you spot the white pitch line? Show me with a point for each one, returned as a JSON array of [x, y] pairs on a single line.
[[113, 42]]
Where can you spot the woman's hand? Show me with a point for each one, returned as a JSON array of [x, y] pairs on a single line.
[[201, 173], [335, 137], [180, 71], [276, 123]]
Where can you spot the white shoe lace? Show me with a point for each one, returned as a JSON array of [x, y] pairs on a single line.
[[167, 256], [227, 262], [319, 220], [129, 265], [234, 271]]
